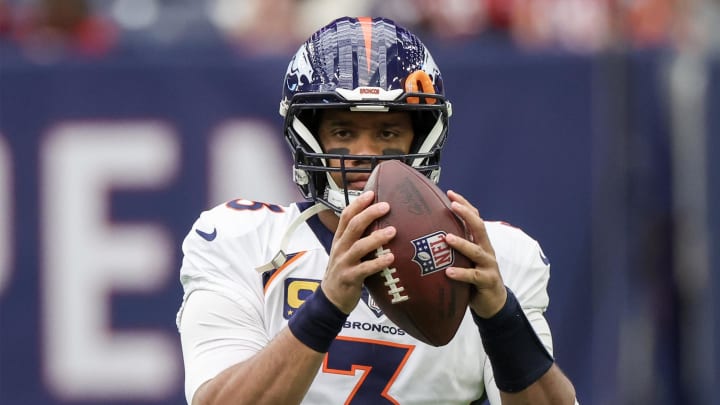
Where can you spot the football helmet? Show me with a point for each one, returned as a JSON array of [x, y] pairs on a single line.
[[361, 64]]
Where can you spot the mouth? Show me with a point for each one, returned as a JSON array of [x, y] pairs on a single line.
[[357, 182]]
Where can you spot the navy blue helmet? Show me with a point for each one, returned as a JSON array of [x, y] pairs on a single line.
[[361, 64]]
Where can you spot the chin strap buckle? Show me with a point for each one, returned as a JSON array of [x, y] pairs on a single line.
[[280, 257]]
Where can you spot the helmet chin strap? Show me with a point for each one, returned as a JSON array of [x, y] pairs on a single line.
[[281, 257], [335, 196], [338, 197]]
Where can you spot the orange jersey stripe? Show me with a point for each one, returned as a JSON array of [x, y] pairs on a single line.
[[283, 267]]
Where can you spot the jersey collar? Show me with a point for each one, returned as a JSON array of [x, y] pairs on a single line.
[[324, 235]]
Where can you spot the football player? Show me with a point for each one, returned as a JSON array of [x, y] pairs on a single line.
[[274, 309]]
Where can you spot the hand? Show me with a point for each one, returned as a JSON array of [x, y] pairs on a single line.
[[346, 270], [489, 294]]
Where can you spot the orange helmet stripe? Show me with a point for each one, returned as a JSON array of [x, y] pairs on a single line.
[[366, 26]]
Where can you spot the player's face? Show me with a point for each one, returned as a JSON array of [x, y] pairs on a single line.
[[363, 133]]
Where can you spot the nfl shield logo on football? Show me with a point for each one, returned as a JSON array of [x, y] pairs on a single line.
[[432, 253]]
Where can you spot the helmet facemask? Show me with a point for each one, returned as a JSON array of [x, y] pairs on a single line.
[[312, 171]]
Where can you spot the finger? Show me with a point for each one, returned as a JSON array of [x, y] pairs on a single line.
[[356, 206], [490, 294], [357, 225], [455, 196], [475, 224], [473, 276], [350, 270], [344, 288], [369, 267], [372, 244], [480, 255]]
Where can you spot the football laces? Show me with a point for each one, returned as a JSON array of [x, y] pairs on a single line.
[[391, 281]]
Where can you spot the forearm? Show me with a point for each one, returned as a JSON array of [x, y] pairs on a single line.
[[282, 372], [279, 374], [553, 388]]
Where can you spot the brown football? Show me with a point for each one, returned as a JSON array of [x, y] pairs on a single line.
[[414, 292]]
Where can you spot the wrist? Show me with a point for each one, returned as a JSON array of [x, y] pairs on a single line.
[[492, 304], [317, 322]]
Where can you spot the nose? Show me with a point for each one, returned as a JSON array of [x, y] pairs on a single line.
[[366, 145]]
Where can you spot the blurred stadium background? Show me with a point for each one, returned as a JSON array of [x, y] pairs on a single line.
[[594, 125]]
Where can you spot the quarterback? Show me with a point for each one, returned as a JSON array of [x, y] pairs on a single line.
[[274, 309]]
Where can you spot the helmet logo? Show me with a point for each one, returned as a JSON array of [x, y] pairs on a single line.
[[369, 93], [369, 90], [419, 82]]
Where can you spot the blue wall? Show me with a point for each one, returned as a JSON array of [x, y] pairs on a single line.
[[572, 149]]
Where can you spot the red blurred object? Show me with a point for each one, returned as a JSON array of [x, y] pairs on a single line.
[[499, 13], [63, 26]]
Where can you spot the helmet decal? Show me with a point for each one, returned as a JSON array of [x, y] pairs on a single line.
[[334, 57], [419, 82], [366, 26], [300, 72]]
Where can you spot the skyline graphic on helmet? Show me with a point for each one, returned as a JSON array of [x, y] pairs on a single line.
[[359, 52]]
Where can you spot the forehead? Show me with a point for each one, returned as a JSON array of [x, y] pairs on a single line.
[[346, 117]]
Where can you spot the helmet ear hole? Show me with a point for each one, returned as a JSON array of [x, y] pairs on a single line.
[[422, 123], [311, 119]]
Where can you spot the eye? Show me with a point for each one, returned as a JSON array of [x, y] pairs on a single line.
[[389, 134], [342, 133]]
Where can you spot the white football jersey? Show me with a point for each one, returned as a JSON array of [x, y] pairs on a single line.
[[231, 311]]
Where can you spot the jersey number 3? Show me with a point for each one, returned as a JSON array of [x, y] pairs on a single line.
[[380, 362]]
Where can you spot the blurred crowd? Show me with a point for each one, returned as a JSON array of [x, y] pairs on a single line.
[[95, 27]]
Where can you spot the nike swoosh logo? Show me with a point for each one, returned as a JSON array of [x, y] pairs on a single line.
[[207, 236]]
